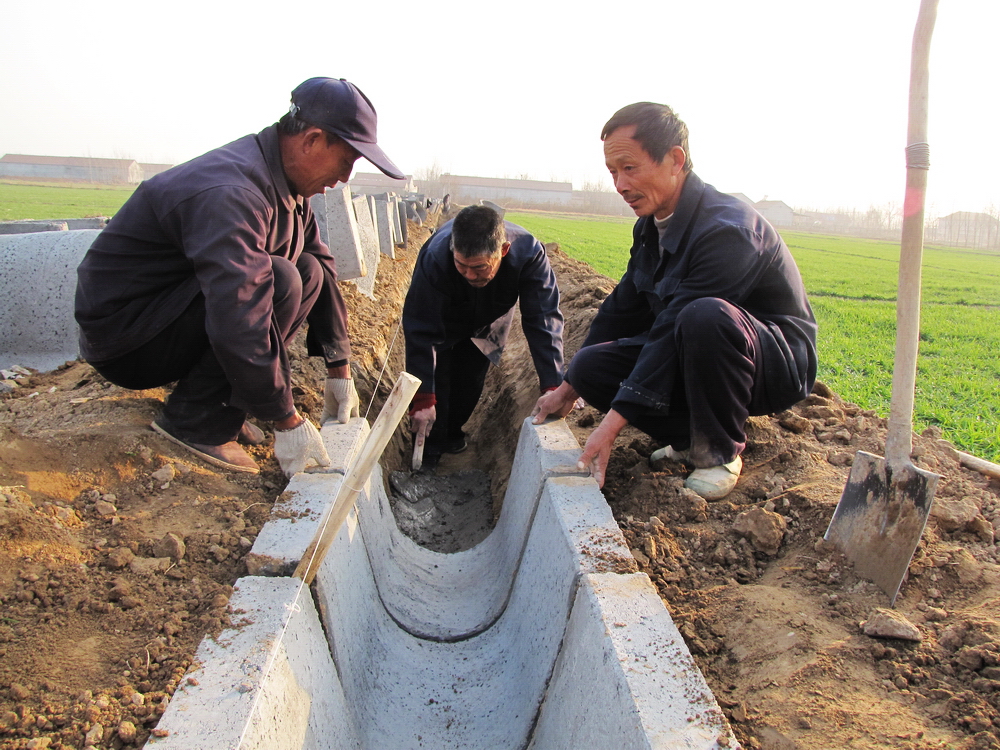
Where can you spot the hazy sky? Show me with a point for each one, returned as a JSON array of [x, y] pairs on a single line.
[[795, 100]]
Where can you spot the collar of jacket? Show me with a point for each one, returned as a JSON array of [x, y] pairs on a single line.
[[648, 236], [267, 139]]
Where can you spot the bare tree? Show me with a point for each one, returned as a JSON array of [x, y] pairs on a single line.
[[430, 174]]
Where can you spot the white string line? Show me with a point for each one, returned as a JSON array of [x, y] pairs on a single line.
[[294, 605], [385, 364]]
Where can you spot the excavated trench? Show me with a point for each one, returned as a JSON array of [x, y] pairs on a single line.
[[493, 604]]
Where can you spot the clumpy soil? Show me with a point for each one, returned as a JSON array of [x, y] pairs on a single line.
[[118, 552]]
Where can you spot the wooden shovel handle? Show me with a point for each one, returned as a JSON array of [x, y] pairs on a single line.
[[899, 439]]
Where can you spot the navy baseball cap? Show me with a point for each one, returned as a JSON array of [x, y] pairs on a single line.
[[338, 106]]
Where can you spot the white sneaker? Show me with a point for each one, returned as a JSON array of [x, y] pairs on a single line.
[[717, 482], [670, 454]]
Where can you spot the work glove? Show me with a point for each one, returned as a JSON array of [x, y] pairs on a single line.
[[340, 400], [297, 447], [421, 422]]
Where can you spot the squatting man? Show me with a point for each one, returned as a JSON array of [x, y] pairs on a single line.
[[209, 269], [457, 315], [710, 323]]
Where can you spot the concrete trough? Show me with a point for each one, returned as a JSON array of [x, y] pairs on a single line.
[[38, 276], [541, 637]]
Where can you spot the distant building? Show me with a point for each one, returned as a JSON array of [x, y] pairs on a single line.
[[777, 213], [506, 191], [599, 202], [967, 229], [742, 198], [369, 183], [820, 221], [74, 168], [148, 170]]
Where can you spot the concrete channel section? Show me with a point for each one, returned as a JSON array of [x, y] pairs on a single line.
[[38, 274], [541, 637]]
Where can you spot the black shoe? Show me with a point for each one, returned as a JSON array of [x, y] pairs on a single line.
[[455, 445]]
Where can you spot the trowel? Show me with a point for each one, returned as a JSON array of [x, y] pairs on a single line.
[[884, 507]]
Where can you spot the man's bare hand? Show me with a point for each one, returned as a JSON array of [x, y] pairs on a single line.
[[421, 423], [557, 403], [597, 451]]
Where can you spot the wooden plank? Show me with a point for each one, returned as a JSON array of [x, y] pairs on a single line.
[[357, 474]]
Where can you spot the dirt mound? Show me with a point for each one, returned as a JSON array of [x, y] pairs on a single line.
[[118, 552]]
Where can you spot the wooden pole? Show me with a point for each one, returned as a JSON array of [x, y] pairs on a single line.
[[981, 465], [357, 474], [899, 437]]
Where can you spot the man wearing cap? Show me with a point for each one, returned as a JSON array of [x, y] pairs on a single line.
[[458, 312], [709, 324], [209, 269]]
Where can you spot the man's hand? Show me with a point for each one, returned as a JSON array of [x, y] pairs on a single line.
[[598, 448], [556, 403], [340, 400], [421, 422], [298, 446]]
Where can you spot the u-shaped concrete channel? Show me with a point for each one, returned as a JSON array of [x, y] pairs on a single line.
[[542, 637]]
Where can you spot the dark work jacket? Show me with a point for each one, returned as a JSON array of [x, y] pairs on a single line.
[[208, 226], [442, 308], [715, 245]]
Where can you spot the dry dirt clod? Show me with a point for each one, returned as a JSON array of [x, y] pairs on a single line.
[[887, 623], [763, 528], [171, 545]]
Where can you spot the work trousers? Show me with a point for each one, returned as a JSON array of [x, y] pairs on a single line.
[[198, 410], [459, 377], [720, 380]]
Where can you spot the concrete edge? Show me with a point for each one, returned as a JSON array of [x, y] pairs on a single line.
[[225, 702], [297, 515], [651, 695]]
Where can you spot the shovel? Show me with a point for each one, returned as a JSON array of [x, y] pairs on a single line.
[[884, 507]]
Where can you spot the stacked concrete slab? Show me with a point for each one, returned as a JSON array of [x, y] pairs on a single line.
[[38, 276], [381, 213], [368, 237], [542, 636], [338, 228]]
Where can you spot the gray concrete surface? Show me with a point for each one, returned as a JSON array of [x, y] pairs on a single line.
[[368, 236], [543, 636], [338, 228], [383, 225], [38, 278]]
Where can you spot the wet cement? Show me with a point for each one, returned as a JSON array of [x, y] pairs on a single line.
[[444, 513]]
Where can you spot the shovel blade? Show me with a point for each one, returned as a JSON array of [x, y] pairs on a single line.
[[881, 517]]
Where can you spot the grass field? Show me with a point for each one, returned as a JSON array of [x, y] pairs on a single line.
[[852, 286], [22, 200]]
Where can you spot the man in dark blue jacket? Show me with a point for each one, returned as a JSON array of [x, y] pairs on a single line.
[[710, 323], [208, 270], [458, 312]]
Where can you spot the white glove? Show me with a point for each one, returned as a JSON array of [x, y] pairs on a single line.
[[340, 399], [297, 447]]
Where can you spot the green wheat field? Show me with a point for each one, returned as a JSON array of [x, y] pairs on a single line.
[[851, 283], [852, 286]]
